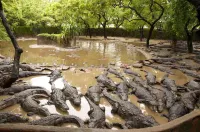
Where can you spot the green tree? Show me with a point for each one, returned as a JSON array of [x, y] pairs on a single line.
[[148, 11], [181, 21], [8, 77], [3, 35]]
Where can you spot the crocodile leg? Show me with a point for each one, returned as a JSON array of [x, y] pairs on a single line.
[[115, 108]]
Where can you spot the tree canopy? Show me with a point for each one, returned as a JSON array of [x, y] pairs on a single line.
[[72, 16]]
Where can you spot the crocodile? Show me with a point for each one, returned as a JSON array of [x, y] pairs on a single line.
[[128, 111], [6, 68], [177, 110], [151, 79], [170, 98], [6, 62], [193, 85], [26, 67], [2, 57], [54, 76], [93, 93], [97, 115], [160, 98], [141, 122], [105, 81], [115, 72], [137, 65], [122, 91], [58, 98], [119, 125], [71, 94], [16, 89], [123, 108], [169, 83], [23, 74], [190, 99], [187, 67], [162, 60], [18, 97], [132, 73], [140, 81], [143, 95], [198, 103], [6, 117], [161, 68], [55, 120], [31, 105], [190, 73]]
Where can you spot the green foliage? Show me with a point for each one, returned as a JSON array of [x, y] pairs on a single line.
[[70, 17], [178, 13], [54, 37], [3, 34]]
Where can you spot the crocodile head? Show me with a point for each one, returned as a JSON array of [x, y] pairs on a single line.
[[141, 121], [54, 75], [112, 100], [76, 100], [150, 121], [44, 111], [95, 97], [16, 118], [62, 105], [91, 124], [123, 96], [111, 83]]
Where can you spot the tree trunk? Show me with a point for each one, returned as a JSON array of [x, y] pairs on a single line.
[[189, 36], [198, 13], [141, 33], [89, 32], [104, 31], [189, 43], [174, 42], [149, 35], [196, 3], [15, 71]]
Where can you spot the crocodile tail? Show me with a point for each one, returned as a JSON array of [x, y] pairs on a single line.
[[39, 96], [39, 73], [36, 87], [43, 91], [165, 76], [86, 95], [8, 102], [122, 126], [89, 101], [1, 91], [108, 97], [53, 86], [74, 119]]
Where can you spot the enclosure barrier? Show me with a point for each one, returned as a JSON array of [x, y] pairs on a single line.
[[187, 123]]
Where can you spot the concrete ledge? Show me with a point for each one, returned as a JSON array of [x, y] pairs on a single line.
[[180, 124]]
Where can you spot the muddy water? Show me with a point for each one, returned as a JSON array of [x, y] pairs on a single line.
[[82, 80], [91, 53], [17, 110]]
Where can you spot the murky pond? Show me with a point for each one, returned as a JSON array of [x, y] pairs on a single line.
[[91, 53], [82, 80]]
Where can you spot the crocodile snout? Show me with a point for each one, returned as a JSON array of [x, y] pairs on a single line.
[[77, 101]]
